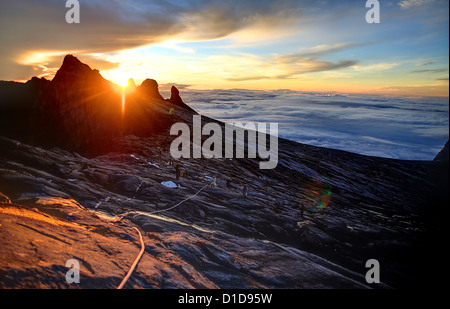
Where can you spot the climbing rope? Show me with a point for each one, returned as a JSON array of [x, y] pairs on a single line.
[[136, 261], [141, 253], [187, 199], [164, 210], [124, 281]]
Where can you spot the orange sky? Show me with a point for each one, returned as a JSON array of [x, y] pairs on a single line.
[[299, 45]]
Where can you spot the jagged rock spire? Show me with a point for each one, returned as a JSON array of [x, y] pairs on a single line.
[[150, 87]]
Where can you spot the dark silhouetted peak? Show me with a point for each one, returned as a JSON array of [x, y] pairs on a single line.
[[175, 96], [443, 155], [150, 88], [73, 70], [36, 79], [71, 60], [37, 82], [176, 99]]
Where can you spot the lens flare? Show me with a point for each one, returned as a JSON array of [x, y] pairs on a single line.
[[317, 193], [123, 101]]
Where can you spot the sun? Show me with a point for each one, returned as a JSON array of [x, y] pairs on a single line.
[[122, 82], [118, 78], [125, 86]]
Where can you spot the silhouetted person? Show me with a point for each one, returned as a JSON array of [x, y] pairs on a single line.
[[245, 192], [177, 171]]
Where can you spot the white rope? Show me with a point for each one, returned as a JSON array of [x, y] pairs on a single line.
[[136, 261], [124, 281], [163, 210], [138, 188]]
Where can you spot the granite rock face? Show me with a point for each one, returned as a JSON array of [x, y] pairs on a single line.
[[59, 205]]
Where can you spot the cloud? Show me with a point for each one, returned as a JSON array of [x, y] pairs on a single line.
[[217, 18], [320, 50], [48, 62], [290, 65], [438, 88], [396, 127], [108, 26], [406, 4], [307, 66], [223, 43], [377, 66], [168, 86], [426, 63], [40, 27], [439, 70]]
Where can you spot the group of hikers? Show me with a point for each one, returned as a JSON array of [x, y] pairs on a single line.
[[245, 190]]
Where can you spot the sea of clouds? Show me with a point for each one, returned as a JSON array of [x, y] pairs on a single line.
[[392, 127]]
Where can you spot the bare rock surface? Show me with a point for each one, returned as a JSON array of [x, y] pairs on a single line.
[[58, 205]]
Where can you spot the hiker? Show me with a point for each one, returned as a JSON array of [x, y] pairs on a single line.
[[213, 183], [302, 210], [245, 192], [177, 171], [185, 174]]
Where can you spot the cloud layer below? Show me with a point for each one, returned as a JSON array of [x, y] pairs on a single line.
[[392, 127]]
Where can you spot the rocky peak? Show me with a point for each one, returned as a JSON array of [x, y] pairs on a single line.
[[175, 96], [150, 88], [73, 70], [176, 99], [37, 81]]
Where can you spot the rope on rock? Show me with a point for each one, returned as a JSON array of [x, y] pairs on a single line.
[[136, 261], [187, 199], [170, 208], [141, 253]]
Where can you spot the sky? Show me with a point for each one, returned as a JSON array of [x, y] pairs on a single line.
[[301, 45]]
